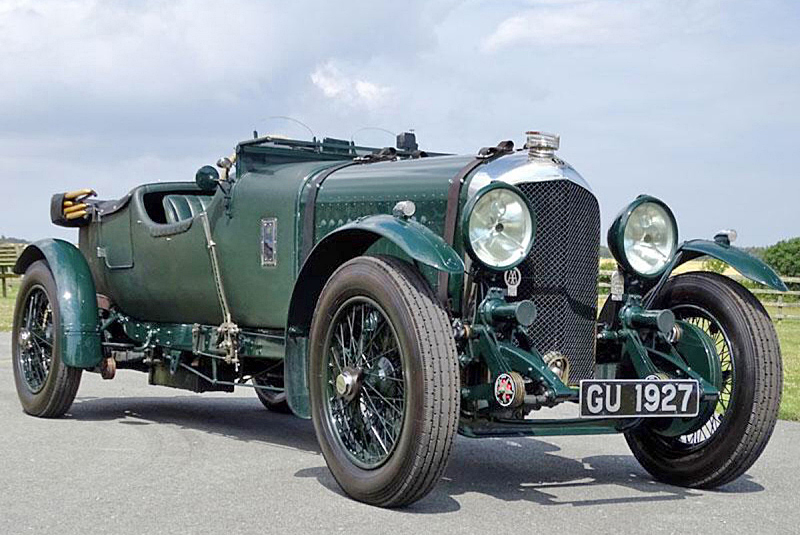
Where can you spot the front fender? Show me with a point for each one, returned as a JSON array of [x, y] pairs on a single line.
[[743, 262], [77, 299], [416, 240]]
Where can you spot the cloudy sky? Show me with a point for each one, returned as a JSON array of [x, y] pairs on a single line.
[[694, 101]]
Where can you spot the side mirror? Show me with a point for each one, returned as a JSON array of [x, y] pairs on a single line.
[[207, 178]]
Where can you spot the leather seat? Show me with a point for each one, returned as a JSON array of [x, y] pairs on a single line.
[[182, 207]]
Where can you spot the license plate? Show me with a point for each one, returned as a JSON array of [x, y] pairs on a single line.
[[635, 398]]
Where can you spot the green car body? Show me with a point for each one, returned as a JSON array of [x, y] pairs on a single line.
[[181, 269]]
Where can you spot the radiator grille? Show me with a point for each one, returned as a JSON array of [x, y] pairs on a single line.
[[560, 274]]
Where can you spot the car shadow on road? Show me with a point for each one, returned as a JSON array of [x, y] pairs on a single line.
[[524, 469], [536, 471], [532, 470], [235, 417]]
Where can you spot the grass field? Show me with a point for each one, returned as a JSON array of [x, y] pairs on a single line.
[[788, 332]]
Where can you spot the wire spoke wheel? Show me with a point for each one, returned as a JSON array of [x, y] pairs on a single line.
[[46, 387], [365, 386], [704, 320], [739, 424], [35, 339], [383, 378]]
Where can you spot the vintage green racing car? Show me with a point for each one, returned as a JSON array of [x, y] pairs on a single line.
[[399, 297]]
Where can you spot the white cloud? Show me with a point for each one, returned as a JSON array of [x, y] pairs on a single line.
[[597, 22], [164, 51], [129, 51], [118, 93], [348, 89]]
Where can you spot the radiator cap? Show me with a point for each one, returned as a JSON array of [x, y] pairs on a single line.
[[542, 144]]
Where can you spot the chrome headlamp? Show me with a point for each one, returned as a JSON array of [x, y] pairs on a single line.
[[644, 237], [498, 226]]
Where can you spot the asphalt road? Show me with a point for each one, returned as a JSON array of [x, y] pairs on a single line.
[[133, 458]]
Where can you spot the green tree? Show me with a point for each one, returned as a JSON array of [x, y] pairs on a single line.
[[784, 257]]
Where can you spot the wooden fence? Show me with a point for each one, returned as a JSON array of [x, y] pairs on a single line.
[[781, 305], [8, 257]]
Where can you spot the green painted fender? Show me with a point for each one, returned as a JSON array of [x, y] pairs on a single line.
[[77, 299], [352, 240], [745, 263], [349, 241], [415, 239]]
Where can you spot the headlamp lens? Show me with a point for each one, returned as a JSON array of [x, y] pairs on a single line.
[[650, 239], [500, 228]]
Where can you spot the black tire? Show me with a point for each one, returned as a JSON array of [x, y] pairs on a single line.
[[273, 401], [52, 395], [735, 440], [428, 370]]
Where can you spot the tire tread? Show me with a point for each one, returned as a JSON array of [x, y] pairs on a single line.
[[63, 381], [767, 386], [440, 377], [434, 329]]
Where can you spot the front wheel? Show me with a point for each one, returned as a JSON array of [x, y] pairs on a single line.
[[384, 381], [725, 445], [45, 385]]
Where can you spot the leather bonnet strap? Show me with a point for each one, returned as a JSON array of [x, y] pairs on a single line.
[[485, 155]]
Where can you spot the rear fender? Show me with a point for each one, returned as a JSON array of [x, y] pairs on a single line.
[[77, 299], [352, 240]]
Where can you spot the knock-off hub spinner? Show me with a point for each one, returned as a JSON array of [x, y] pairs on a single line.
[[347, 383]]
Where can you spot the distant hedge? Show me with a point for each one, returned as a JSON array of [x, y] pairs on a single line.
[[784, 257]]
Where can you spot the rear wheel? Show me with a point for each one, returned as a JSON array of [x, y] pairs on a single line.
[[45, 385], [727, 443], [272, 400], [384, 381]]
